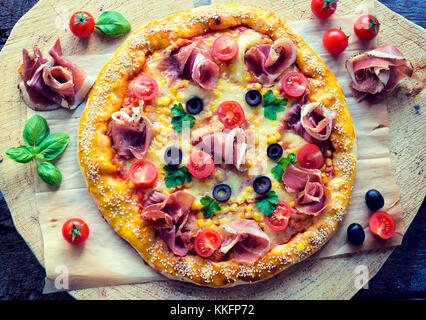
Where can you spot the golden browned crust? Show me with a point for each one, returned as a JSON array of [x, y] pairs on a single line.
[[115, 197]]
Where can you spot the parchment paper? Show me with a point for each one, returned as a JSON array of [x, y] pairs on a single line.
[[106, 259]]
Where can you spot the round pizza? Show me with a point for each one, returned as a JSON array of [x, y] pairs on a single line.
[[219, 145]]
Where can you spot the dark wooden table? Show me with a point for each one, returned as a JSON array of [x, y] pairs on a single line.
[[402, 276]]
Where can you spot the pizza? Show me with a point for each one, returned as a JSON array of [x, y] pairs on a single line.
[[219, 145]]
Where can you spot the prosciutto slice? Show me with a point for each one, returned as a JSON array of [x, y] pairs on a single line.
[[130, 132], [296, 178], [246, 240], [168, 214], [229, 146], [313, 199], [268, 62], [377, 72], [192, 61], [317, 120], [50, 84]]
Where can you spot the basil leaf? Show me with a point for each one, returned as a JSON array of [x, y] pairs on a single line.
[[210, 206], [272, 105], [267, 204], [112, 23], [36, 129], [181, 117], [22, 154], [52, 146], [49, 173]]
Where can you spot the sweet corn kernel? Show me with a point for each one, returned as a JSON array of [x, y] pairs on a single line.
[[166, 101], [160, 101], [166, 111], [233, 207], [271, 139], [292, 204], [163, 82], [264, 90], [262, 225], [328, 162], [246, 77], [323, 175], [257, 216], [213, 227], [325, 180], [209, 222], [187, 184], [300, 246], [276, 92], [216, 93], [233, 68], [256, 140], [173, 91], [216, 213], [223, 221], [249, 215], [257, 86], [329, 153], [277, 135], [200, 215], [131, 185], [225, 210], [242, 215], [201, 222], [196, 205], [148, 108], [255, 121], [156, 54], [179, 96], [215, 220], [249, 209]]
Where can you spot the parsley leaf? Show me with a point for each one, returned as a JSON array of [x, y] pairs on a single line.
[[272, 105], [180, 116], [176, 176], [267, 204], [209, 206], [279, 169]]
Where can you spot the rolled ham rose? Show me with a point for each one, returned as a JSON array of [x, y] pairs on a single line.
[[377, 72]]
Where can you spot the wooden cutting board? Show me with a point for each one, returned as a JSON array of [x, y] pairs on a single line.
[[331, 278]]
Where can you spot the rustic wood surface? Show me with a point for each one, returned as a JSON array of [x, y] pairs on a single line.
[[406, 144]]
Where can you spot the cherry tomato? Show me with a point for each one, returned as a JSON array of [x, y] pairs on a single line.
[[231, 114], [207, 242], [200, 164], [366, 27], [145, 87], [382, 224], [225, 48], [75, 231], [279, 218], [335, 41], [82, 24], [294, 84], [143, 173], [310, 156], [323, 8]]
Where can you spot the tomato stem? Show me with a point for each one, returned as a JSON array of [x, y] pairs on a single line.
[[373, 24], [328, 3], [81, 19]]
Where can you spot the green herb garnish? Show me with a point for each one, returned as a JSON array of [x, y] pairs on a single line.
[[267, 204], [180, 116], [112, 23], [279, 169], [272, 105], [176, 176], [209, 206], [41, 146]]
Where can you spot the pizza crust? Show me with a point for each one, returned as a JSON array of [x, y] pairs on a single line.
[[114, 197]]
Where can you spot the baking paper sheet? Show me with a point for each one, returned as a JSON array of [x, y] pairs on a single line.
[[106, 259]]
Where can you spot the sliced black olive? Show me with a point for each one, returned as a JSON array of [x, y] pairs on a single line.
[[274, 151], [173, 156], [253, 97], [262, 184], [356, 234], [222, 192], [374, 200], [194, 105]]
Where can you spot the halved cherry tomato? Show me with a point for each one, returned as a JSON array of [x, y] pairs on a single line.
[[75, 231], [207, 242], [145, 87], [279, 218], [225, 48], [143, 173], [231, 114], [335, 41], [200, 164], [366, 27], [382, 224], [310, 156], [323, 8], [82, 24], [294, 84]]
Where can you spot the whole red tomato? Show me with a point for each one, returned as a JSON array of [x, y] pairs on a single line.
[[75, 231], [366, 27], [323, 8], [335, 41], [82, 24]]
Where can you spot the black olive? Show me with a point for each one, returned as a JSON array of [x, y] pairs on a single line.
[[173, 156], [253, 97], [356, 234], [374, 200], [194, 105], [222, 192], [274, 151], [262, 184]]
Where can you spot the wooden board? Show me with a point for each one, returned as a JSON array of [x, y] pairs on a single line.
[[312, 279]]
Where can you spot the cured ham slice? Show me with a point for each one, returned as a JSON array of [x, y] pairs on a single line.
[[317, 120], [50, 84], [313, 199], [193, 61], [130, 132], [296, 178], [228, 145], [168, 214], [377, 72], [268, 62], [246, 239]]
